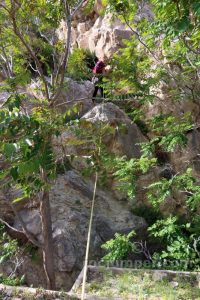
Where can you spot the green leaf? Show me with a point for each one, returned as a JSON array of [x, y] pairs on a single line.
[[4, 173], [183, 24], [9, 149], [196, 8], [28, 167], [14, 173], [19, 199]]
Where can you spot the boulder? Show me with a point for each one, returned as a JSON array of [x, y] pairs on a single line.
[[101, 33], [31, 218], [73, 93], [7, 195], [126, 135], [62, 33], [70, 199], [123, 136], [76, 92]]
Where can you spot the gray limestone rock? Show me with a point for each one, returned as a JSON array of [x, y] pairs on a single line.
[[127, 135], [70, 199]]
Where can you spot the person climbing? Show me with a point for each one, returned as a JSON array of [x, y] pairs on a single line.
[[97, 79]]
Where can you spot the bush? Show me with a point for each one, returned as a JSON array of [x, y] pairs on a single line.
[[149, 213], [119, 247], [81, 63], [9, 252], [182, 244]]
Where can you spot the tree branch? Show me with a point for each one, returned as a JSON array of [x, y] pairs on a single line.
[[195, 244], [4, 7], [139, 39], [29, 49], [77, 8], [28, 234], [149, 50], [62, 68], [197, 52], [11, 227]]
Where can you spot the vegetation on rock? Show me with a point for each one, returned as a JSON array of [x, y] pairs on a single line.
[[159, 64]]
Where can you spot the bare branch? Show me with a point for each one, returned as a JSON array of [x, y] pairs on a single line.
[[196, 51], [195, 244], [11, 227], [139, 39], [144, 249], [29, 49], [28, 234], [7, 62], [32, 68], [4, 7], [77, 8], [17, 263], [152, 54], [62, 68]]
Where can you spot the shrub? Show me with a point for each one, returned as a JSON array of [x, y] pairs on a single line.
[[149, 213], [81, 63], [9, 253], [181, 244], [118, 247]]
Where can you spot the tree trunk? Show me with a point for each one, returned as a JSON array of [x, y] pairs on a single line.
[[48, 259]]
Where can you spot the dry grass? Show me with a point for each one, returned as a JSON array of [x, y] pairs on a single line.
[[140, 286]]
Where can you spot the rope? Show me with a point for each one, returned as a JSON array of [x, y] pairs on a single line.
[[90, 222], [124, 97], [88, 239]]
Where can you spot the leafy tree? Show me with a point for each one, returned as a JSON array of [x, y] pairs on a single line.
[[163, 53], [28, 41]]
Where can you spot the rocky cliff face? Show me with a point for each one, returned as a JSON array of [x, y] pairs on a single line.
[[71, 197], [100, 34], [72, 193]]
